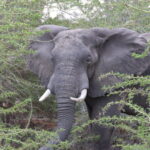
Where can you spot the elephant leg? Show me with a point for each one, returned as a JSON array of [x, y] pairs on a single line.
[[95, 107]]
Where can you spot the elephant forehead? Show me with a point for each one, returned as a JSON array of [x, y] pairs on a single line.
[[73, 34], [70, 42], [75, 38]]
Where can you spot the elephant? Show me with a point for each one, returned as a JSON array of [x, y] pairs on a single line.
[[69, 63]]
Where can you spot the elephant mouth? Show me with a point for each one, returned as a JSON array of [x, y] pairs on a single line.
[[82, 96]]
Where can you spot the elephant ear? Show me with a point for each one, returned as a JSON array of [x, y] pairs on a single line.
[[115, 55], [40, 62]]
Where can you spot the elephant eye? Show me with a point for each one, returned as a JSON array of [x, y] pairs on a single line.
[[53, 56], [89, 59]]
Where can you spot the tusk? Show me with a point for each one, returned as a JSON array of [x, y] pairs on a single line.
[[45, 95], [81, 97]]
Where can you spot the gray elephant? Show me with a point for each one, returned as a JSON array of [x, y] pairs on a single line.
[[69, 63]]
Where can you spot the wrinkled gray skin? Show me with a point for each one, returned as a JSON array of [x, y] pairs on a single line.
[[68, 61]]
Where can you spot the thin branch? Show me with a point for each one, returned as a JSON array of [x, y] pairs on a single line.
[[145, 11], [30, 116]]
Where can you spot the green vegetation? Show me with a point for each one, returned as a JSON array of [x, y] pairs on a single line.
[[20, 89]]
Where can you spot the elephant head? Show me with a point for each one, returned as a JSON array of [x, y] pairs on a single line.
[[69, 63]]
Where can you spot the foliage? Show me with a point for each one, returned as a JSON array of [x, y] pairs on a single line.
[[110, 13], [22, 139], [138, 126], [20, 89]]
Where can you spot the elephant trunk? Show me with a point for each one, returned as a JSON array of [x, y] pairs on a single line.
[[64, 89], [65, 115], [66, 86]]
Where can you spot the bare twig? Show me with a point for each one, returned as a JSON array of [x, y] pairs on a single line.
[[30, 116]]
